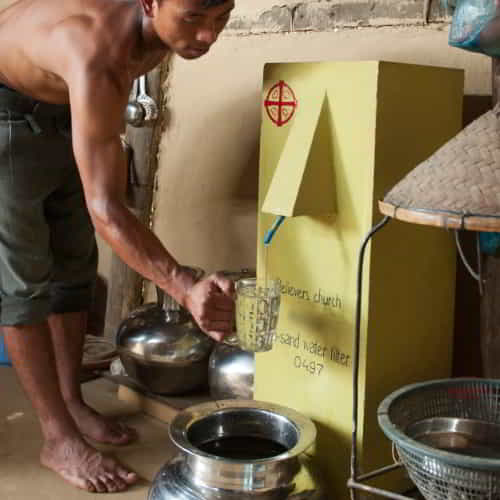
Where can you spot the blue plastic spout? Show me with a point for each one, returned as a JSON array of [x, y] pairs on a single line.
[[270, 234]]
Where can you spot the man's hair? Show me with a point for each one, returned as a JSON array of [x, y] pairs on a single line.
[[212, 3], [206, 4]]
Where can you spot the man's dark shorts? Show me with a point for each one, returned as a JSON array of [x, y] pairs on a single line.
[[48, 252]]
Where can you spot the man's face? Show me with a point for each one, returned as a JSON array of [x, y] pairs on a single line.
[[188, 28]]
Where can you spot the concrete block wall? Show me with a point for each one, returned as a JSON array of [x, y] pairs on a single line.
[[263, 16]]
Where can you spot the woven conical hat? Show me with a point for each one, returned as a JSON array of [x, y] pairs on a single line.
[[458, 186]]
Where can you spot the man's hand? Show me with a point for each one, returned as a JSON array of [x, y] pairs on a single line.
[[211, 303]]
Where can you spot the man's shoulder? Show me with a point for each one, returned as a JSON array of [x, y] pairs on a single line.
[[92, 35]]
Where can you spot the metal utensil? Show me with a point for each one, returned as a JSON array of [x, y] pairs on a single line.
[[143, 108], [459, 435], [232, 450], [146, 101], [231, 371], [162, 348], [447, 433]]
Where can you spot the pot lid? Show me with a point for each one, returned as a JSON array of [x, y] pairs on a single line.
[[458, 187], [163, 337]]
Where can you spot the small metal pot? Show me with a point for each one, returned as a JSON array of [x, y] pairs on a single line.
[[231, 371], [238, 450], [163, 349]]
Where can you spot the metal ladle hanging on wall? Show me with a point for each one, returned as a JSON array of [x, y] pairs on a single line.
[[143, 108]]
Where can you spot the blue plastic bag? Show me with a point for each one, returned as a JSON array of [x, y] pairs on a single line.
[[475, 25], [4, 355], [489, 243]]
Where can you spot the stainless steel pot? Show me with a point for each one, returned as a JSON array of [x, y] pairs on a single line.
[[162, 348], [237, 450], [231, 371]]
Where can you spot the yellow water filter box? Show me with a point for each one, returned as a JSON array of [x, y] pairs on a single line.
[[335, 137]]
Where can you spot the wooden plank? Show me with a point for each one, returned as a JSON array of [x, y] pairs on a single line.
[[163, 408], [490, 300], [125, 285], [147, 405], [490, 318]]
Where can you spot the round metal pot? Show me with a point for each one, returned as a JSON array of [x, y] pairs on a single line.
[[163, 349], [237, 450], [231, 371]]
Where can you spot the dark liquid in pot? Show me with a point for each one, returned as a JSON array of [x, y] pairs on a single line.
[[243, 448]]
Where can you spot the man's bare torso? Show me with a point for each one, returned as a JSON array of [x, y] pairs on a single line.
[[41, 39]]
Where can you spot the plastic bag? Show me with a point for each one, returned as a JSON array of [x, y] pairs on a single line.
[[475, 25], [489, 243], [4, 355]]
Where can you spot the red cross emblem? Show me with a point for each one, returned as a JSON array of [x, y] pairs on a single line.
[[280, 103]]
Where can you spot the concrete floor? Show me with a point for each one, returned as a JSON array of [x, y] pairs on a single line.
[[22, 477]]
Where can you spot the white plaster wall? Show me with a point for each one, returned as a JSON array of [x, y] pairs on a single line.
[[208, 162]]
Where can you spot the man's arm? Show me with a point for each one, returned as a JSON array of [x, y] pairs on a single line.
[[98, 99]]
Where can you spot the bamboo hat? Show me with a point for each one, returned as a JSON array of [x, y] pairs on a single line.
[[457, 187]]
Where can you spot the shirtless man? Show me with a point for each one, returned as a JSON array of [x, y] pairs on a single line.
[[82, 55]]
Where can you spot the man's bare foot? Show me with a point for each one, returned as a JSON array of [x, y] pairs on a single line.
[[99, 428], [83, 467]]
